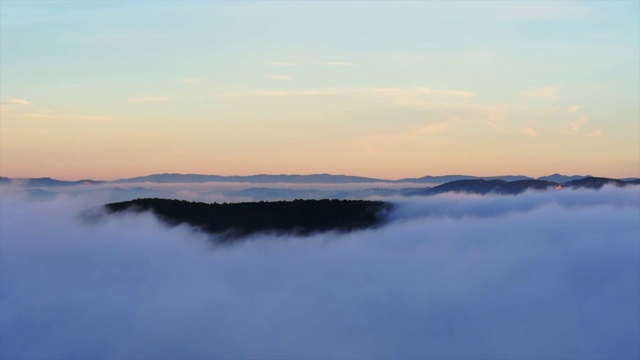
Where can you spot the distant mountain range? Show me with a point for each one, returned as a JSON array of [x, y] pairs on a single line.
[[501, 187], [561, 179], [46, 181], [482, 187], [306, 179], [254, 179], [508, 184], [290, 179]]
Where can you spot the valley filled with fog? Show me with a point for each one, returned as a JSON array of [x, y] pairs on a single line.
[[545, 275]]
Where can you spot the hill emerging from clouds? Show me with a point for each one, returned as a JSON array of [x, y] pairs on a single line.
[[236, 220]]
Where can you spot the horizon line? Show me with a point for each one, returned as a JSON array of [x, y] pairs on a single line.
[[309, 174]]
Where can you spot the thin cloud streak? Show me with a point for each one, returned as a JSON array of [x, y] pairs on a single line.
[[421, 91], [405, 95], [326, 63], [17, 102], [316, 92], [537, 11], [148, 99], [572, 128], [189, 81], [278, 77], [547, 92], [574, 109], [582, 120]]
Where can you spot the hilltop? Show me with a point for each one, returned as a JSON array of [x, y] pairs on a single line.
[[236, 220]]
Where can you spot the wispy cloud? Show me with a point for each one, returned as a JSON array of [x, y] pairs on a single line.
[[547, 92], [278, 77], [595, 133], [421, 91], [326, 63], [574, 109], [336, 63], [531, 132], [15, 109], [189, 81], [406, 95], [312, 92], [49, 115], [496, 127], [148, 99], [427, 130], [373, 142], [122, 38], [541, 10], [284, 64], [575, 127], [65, 117], [579, 123], [15, 101], [422, 97]]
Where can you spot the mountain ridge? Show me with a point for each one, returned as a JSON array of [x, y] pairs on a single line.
[[323, 178]]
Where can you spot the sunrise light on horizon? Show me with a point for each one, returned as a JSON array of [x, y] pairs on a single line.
[[108, 90]]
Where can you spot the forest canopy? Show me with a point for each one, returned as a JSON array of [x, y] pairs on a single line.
[[236, 220]]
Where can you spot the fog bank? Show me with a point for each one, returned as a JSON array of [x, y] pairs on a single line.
[[551, 275]]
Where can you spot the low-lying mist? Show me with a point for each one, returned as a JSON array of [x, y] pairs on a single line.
[[552, 275]]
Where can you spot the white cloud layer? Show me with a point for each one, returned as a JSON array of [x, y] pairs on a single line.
[[546, 276]]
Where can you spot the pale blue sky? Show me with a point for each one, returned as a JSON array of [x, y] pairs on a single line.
[[348, 87]]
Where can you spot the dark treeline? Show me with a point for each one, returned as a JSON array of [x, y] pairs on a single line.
[[502, 187], [598, 182], [234, 220]]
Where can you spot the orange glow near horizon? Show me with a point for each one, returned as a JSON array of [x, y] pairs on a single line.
[[112, 106], [76, 171]]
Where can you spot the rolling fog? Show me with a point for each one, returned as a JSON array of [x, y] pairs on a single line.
[[552, 275]]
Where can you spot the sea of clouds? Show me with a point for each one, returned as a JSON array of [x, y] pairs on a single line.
[[552, 275]]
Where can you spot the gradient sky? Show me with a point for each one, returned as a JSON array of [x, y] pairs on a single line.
[[106, 90]]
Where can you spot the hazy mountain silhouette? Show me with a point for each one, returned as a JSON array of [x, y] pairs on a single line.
[[482, 187], [235, 220], [558, 178], [304, 179], [256, 179], [438, 179], [575, 180], [501, 187], [598, 182], [46, 181], [449, 178], [266, 194]]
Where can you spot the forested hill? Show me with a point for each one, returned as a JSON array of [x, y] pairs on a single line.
[[235, 220]]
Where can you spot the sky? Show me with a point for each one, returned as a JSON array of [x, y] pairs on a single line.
[[107, 90]]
